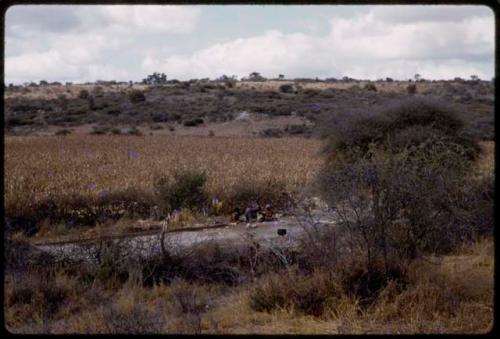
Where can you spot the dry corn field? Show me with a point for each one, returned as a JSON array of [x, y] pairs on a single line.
[[61, 167]]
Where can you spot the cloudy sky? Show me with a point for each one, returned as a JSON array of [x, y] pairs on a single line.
[[88, 43]]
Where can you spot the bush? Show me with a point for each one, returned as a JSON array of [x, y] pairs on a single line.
[[271, 133], [296, 129], [193, 122], [286, 88], [398, 171], [139, 320], [136, 96], [99, 130], [111, 264], [83, 94], [371, 87], [63, 132], [411, 89], [134, 131], [98, 91], [182, 190], [308, 294]]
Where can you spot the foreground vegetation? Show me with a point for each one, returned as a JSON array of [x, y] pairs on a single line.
[[451, 294]]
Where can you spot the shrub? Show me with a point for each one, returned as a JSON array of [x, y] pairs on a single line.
[[411, 89], [38, 288], [296, 129], [310, 92], [155, 127], [306, 293], [63, 132], [371, 87], [193, 122], [182, 190], [398, 171], [99, 130], [83, 94], [286, 88], [139, 320], [136, 96], [98, 91], [269, 295], [134, 131], [271, 133]]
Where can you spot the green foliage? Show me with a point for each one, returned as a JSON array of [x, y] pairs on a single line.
[[182, 190], [398, 171], [136, 96], [111, 264]]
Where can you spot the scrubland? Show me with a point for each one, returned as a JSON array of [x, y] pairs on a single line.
[[413, 250]]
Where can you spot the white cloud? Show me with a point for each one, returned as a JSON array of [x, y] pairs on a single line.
[[365, 46], [79, 51], [151, 18], [395, 41], [428, 13]]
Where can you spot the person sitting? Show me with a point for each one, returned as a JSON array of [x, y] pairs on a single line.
[[251, 213], [268, 214], [236, 215]]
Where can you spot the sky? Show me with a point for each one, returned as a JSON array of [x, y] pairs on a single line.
[[81, 43]]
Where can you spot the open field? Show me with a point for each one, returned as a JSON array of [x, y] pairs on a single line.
[[65, 169]]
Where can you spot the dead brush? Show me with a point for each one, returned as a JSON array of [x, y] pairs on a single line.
[[308, 294]]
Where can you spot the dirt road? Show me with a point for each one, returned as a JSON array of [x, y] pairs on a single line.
[[147, 244]]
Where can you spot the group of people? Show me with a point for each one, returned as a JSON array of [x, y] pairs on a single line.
[[253, 213]]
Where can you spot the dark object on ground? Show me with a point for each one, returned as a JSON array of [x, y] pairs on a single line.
[[281, 231]]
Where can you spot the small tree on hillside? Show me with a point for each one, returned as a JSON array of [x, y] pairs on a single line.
[[255, 76], [155, 79]]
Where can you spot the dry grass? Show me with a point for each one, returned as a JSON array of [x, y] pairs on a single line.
[[394, 87], [52, 92], [486, 162], [453, 294], [58, 168]]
